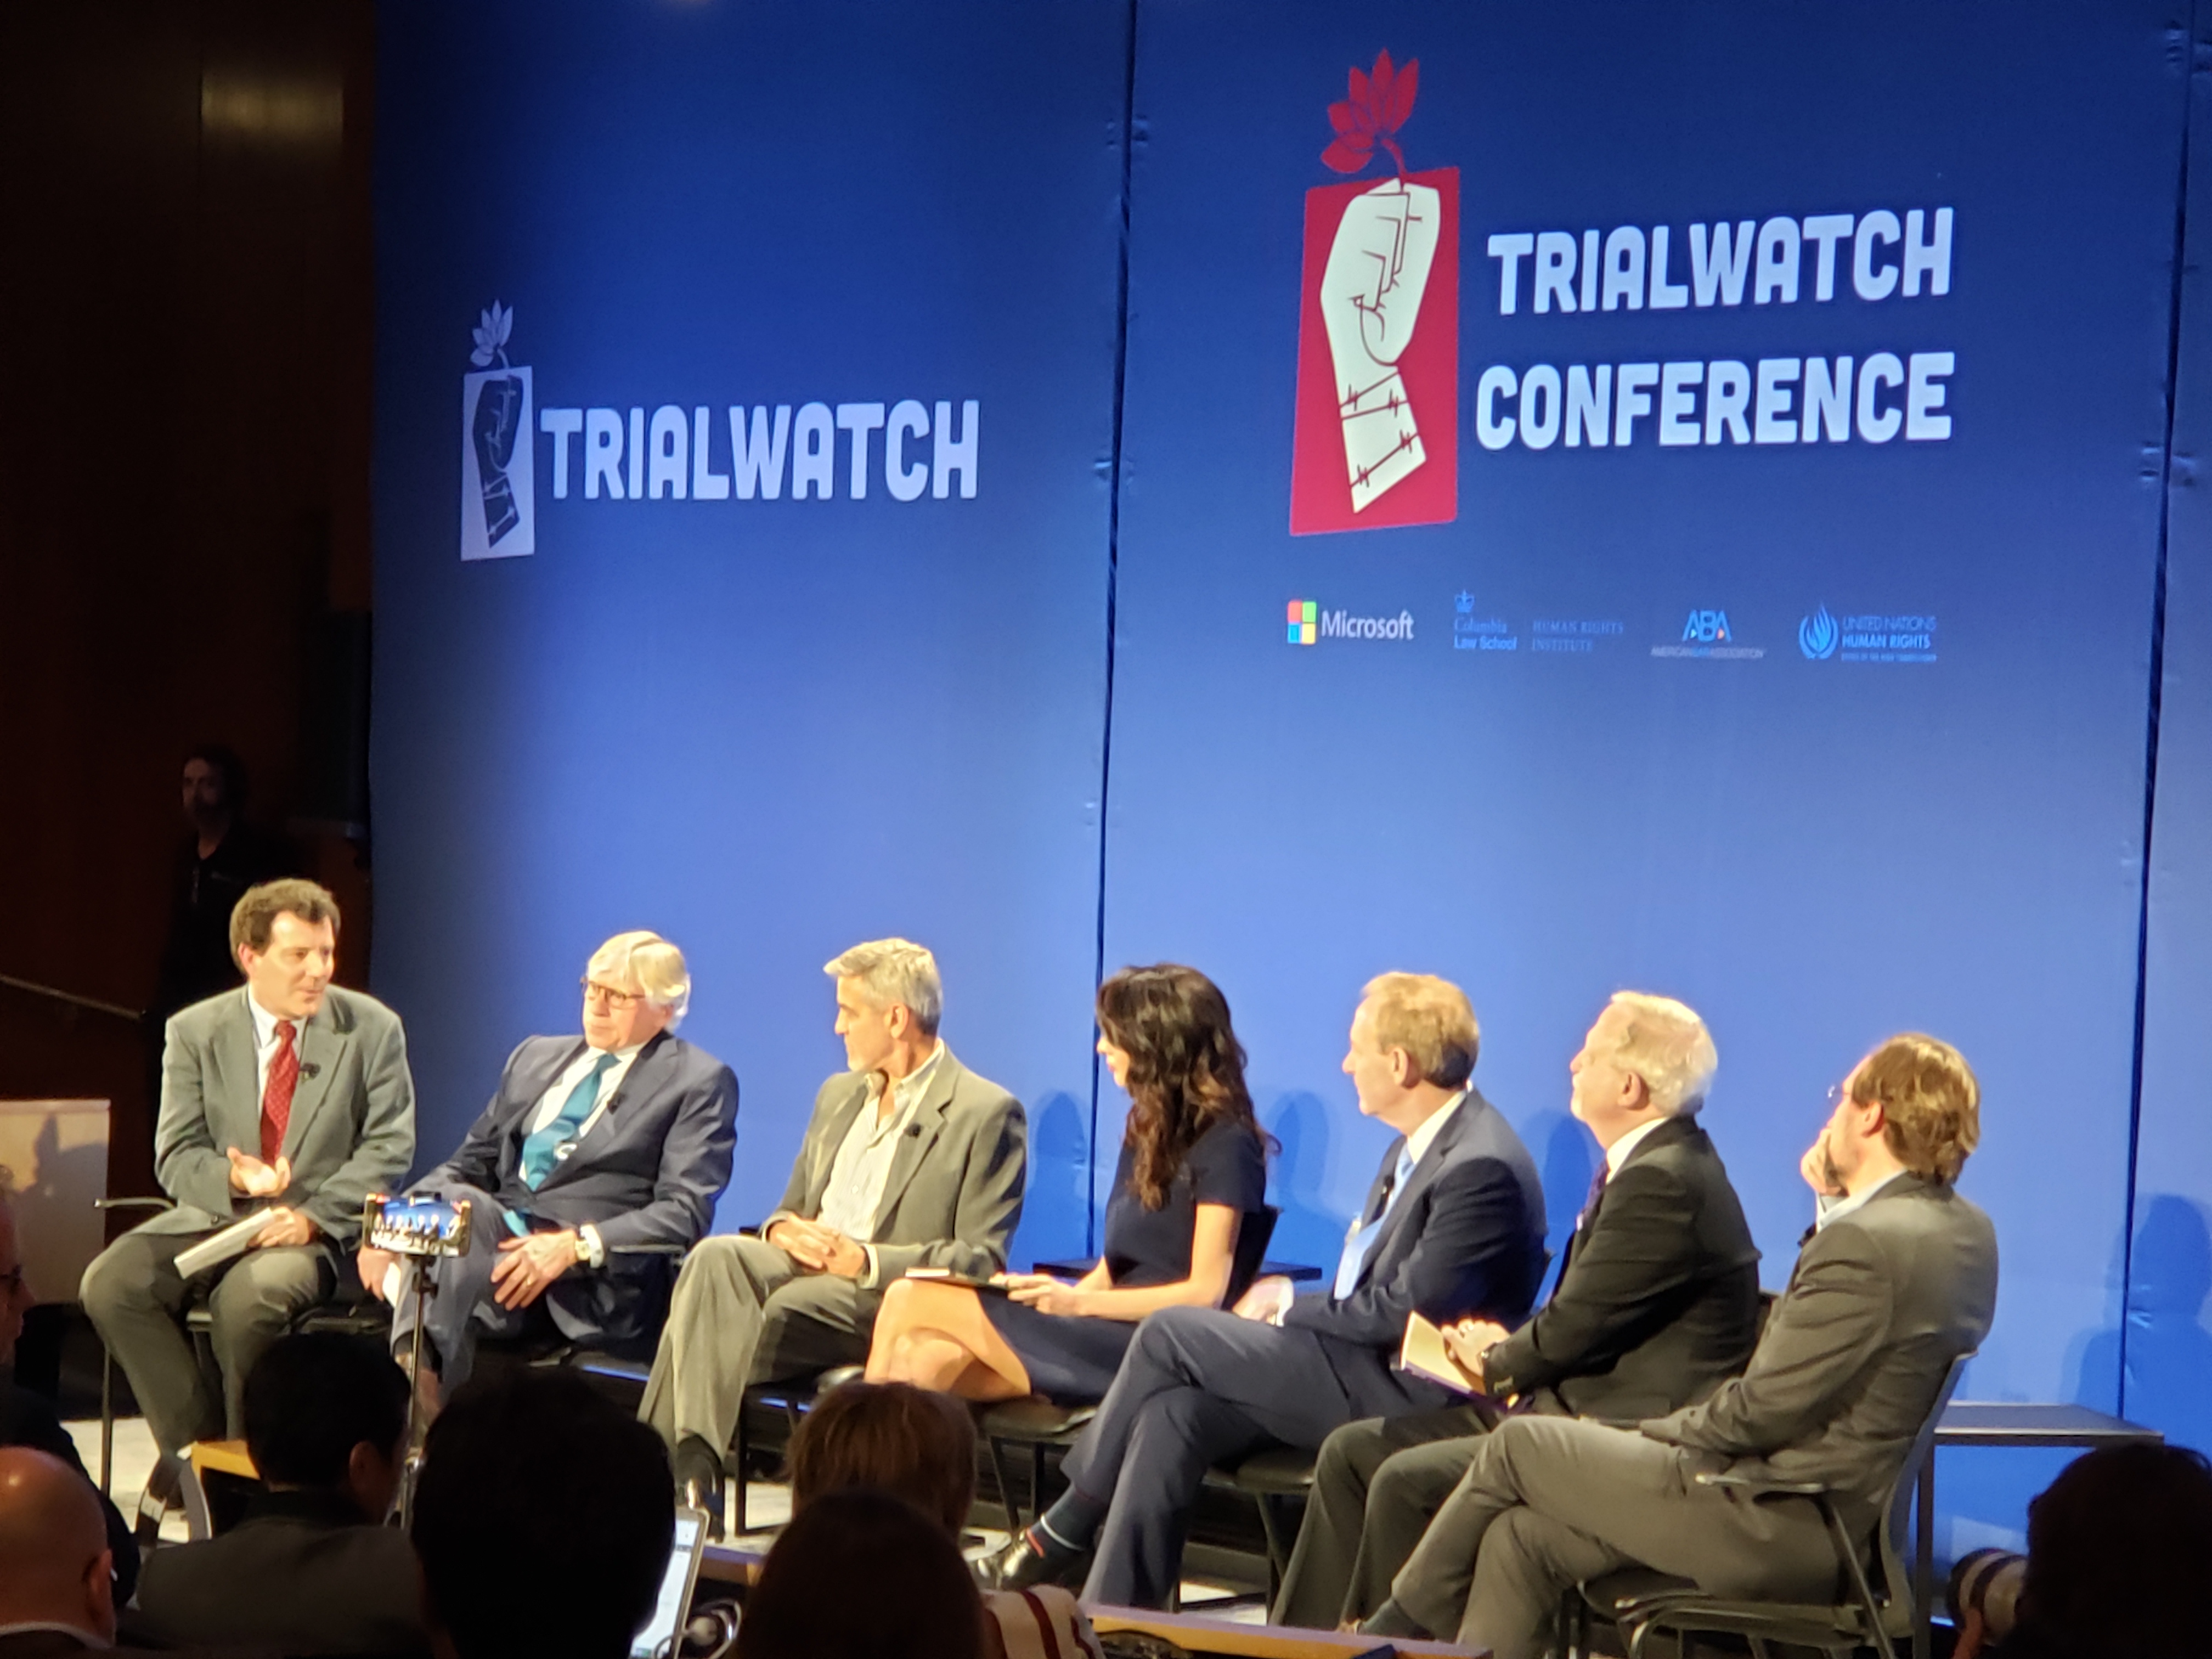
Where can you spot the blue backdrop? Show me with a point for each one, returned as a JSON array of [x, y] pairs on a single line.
[[767, 728], [1820, 699]]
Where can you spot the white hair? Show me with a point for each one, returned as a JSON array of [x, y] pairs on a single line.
[[894, 970], [653, 964], [1664, 1042]]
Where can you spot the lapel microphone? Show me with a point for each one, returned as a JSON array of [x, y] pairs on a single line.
[[914, 1129], [308, 1068]]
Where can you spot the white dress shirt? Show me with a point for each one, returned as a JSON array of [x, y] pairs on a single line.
[[1835, 1209], [1617, 1154], [862, 1168]]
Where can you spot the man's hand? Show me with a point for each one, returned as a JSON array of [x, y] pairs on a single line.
[[250, 1176], [1267, 1301], [373, 1265], [1045, 1293], [528, 1267], [1469, 1343], [285, 1227], [818, 1248], [1818, 1170]]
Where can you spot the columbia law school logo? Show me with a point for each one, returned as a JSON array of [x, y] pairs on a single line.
[[1377, 437], [499, 497]]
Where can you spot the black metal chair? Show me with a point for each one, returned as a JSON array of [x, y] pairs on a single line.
[[1871, 1615]]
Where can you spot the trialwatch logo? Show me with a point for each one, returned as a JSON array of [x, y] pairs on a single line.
[[1376, 442], [499, 501]]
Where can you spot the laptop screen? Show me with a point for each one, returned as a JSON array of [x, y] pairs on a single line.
[[655, 1638]]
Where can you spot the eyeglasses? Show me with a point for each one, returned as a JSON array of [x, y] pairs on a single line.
[[1840, 1092], [608, 994]]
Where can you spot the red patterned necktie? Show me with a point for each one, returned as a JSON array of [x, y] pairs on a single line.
[[276, 1094]]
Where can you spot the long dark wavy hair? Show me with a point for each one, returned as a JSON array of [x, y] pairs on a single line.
[[1186, 1066]]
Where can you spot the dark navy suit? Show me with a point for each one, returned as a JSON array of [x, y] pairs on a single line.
[[647, 1172], [1200, 1384]]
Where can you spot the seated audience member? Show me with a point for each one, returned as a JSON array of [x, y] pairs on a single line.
[[910, 1160], [290, 1096], [1899, 1279], [57, 1585], [1453, 1226], [2114, 1547], [26, 1420], [1658, 1302], [1193, 1173], [622, 1135], [311, 1569], [860, 1574], [543, 1521], [921, 1446]]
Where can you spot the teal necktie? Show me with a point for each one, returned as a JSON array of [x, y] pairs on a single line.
[[541, 1152]]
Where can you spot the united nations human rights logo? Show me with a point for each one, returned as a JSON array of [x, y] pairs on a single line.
[[1817, 635], [498, 517]]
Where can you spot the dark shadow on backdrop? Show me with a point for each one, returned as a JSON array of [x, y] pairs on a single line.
[[1311, 1229], [1055, 1213], [2164, 1365]]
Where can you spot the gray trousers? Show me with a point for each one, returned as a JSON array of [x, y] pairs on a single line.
[[744, 1312], [136, 1300], [1377, 1483], [1549, 1502]]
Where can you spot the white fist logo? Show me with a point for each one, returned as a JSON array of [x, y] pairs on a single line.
[[1371, 300]]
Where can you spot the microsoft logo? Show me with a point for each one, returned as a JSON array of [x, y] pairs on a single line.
[[1304, 618]]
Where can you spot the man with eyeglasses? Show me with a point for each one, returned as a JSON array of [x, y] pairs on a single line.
[[592, 1146]]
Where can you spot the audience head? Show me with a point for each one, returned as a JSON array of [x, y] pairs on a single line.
[[860, 1574], [1646, 1057], [888, 994], [1164, 1033], [635, 986], [543, 1521], [55, 1565], [327, 1412], [1916, 1098], [1413, 1042], [912, 1442], [2114, 1547], [214, 786], [285, 936], [16, 1297]]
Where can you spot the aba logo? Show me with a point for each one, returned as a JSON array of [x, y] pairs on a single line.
[[1706, 627], [1376, 442], [499, 518], [1817, 636]]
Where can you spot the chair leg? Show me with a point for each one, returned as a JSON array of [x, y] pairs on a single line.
[[106, 1422], [737, 1448], [1037, 1481], [1868, 1605], [1004, 1476], [1272, 1530]]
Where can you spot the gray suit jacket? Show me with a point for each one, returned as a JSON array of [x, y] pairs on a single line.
[[1881, 1302], [352, 1130], [955, 1193]]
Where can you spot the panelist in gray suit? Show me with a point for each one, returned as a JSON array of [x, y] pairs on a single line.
[[910, 1160], [290, 1089], [1898, 1280], [621, 1136]]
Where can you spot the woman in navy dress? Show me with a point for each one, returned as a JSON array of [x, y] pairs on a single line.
[[1193, 1172]]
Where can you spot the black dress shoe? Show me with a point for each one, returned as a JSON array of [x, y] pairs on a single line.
[[1022, 1564]]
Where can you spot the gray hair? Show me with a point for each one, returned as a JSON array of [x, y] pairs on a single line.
[[1664, 1042], [653, 964], [894, 970]]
